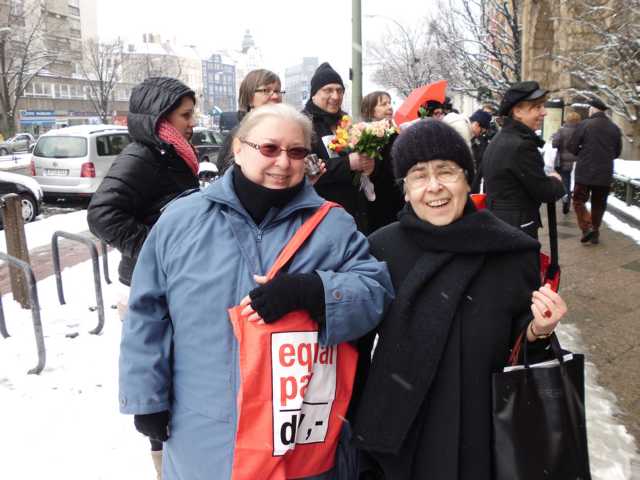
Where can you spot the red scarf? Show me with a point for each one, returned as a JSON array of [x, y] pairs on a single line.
[[170, 134]]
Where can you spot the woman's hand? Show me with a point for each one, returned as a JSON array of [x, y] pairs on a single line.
[[548, 308], [248, 310], [367, 164], [285, 293]]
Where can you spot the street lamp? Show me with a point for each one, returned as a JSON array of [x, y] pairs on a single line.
[[4, 31]]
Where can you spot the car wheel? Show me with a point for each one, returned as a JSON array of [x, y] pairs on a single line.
[[29, 207], [3, 151]]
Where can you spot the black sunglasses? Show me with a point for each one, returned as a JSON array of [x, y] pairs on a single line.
[[272, 150]]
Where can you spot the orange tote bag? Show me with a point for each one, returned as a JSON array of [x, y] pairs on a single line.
[[294, 393]]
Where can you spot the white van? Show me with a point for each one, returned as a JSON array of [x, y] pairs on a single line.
[[72, 161]]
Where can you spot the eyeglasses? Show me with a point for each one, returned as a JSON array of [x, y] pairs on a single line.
[[268, 92], [272, 150], [445, 174]]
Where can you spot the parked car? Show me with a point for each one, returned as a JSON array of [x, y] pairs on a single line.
[[71, 162], [22, 142], [29, 191], [207, 143]]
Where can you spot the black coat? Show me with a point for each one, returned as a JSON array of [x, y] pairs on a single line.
[[146, 176], [451, 436], [597, 142], [389, 196], [339, 184], [478, 147], [515, 182]]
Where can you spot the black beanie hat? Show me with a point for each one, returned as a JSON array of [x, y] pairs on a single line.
[[426, 140], [324, 75]]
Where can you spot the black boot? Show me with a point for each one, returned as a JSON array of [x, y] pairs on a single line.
[[565, 207], [586, 236], [595, 238]]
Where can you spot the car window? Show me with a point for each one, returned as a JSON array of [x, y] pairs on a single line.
[[61, 147], [202, 137], [112, 144], [218, 138]]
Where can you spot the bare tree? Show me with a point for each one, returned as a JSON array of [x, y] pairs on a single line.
[[408, 58], [605, 59], [483, 38], [101, 69], [137, 66], [23, 55]]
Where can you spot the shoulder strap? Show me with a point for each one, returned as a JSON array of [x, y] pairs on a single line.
[[299, 238]]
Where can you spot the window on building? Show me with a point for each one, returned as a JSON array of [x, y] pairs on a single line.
[[17, 8]]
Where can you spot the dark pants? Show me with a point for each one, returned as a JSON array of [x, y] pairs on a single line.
[[598, 194], [566, 181]]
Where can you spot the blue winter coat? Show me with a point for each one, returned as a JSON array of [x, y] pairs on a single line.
[[178, 351]]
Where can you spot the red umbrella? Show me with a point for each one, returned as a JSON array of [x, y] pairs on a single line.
[[409, 109]]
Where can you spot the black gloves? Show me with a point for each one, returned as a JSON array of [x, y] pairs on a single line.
[[153, 425], [289, 292]]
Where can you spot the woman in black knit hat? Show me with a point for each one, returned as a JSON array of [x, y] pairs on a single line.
[[467, 284], [339, 183]]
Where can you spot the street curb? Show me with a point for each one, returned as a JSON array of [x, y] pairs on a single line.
[[631, 220]]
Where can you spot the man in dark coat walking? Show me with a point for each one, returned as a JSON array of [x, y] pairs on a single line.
[[513, 167], [340, 182], [480, 122], [597, 142]]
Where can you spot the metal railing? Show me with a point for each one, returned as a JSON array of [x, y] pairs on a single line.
[[105, 262], [629, 184], [96, 272], [34, 304]]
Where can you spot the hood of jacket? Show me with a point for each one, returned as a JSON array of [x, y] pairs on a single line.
[[149, 101]]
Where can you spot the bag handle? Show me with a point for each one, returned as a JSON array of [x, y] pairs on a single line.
[[523, 341], [301, 235]]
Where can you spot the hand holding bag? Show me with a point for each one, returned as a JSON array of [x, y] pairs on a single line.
[[294, 393], [539, 420]]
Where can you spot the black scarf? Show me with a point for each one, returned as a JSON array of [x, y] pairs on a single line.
[[258, 200], [327, 119], [416, 330]]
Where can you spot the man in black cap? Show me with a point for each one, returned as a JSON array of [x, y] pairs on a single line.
[[597, 142], [480, 122], [513, 167], [339, 183]]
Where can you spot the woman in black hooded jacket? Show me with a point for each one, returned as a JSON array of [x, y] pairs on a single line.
[[156, 167]]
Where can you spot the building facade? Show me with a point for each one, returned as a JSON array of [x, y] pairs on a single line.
[[219, 85], [297, 80], [549, 32]]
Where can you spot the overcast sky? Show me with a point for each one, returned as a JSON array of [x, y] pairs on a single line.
[[285, 30]]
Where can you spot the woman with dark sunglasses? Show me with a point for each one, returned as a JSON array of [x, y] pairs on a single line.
[[209, 252]]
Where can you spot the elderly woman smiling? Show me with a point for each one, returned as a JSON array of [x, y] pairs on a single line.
[[209, 252], [467, 285]]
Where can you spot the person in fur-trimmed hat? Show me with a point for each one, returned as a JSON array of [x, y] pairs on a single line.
[[339, 183]]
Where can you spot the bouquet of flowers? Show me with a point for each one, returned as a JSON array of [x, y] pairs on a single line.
[[368, 138]]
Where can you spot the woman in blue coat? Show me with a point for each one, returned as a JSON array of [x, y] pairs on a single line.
[[179, 371]]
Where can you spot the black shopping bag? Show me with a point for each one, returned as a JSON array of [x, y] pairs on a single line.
[[539, 421]]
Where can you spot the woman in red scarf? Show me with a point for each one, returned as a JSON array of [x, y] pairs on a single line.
[[156, 167]]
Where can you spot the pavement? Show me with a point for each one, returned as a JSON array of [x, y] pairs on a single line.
[[601, 285]]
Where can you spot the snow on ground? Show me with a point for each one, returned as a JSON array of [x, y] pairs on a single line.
[[39, 233], [612, 451], [628, 168], [64, 423]]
